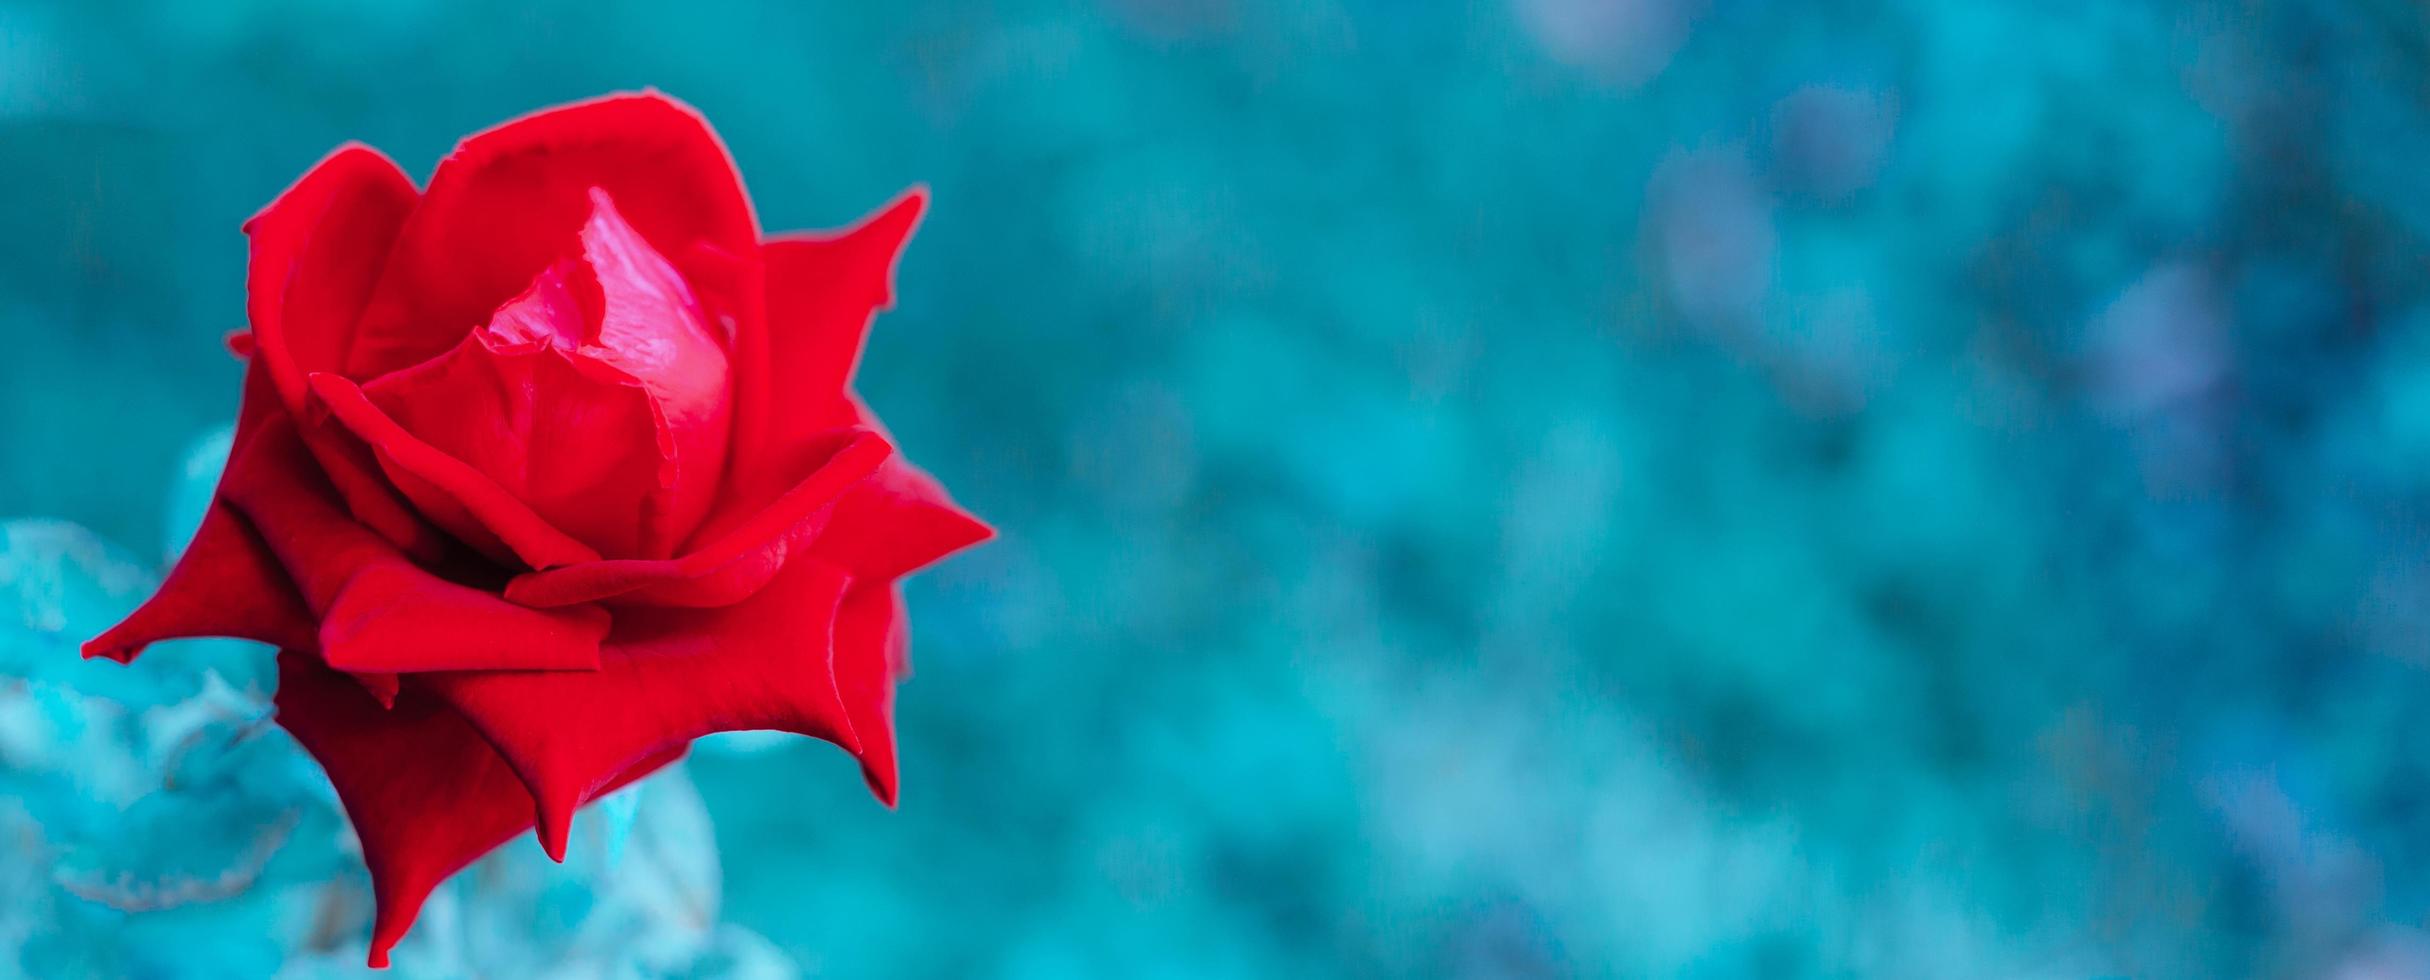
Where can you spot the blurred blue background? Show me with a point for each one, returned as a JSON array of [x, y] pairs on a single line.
[[1523, 488]]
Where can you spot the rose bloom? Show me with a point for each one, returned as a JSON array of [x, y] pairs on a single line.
[[547, 470]]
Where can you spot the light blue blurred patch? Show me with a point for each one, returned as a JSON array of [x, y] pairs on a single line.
[[191, 493]]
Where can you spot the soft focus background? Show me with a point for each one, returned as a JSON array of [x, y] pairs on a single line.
[[1522, 488]]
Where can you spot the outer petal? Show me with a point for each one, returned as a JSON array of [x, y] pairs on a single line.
[[501, 207], [822, 291], [227, 583], [871, 636], [426, 793], [895, 522], [379, 611], [317, 250], [734, 555], [666, 677]]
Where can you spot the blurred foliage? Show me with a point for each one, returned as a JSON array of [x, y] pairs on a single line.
[[1540, 487]]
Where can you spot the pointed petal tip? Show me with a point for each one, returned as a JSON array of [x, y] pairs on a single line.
[[976, 531], [225, 584], [381, 686], [881, 785], [387, 928], [554, 802], [893, 224], [112, 645], [962, 531], [904, 212], [885, 233], [552, 824]]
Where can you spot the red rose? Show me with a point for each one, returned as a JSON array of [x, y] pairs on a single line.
[[548, 470]]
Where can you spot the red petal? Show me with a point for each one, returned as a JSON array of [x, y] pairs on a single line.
[[822, 291], [346, 462], [379, 611], [369, 497], [225, 584], [450, 491], [502, 207], [382, 687], [317, 249], [650, 328], [394, 617], [666, 676], [894, 523], [733, 556], [426, 793], [606, 361], [649, 325], [870, 637]]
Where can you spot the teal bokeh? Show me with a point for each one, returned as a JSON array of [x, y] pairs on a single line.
[[1531, 488]]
